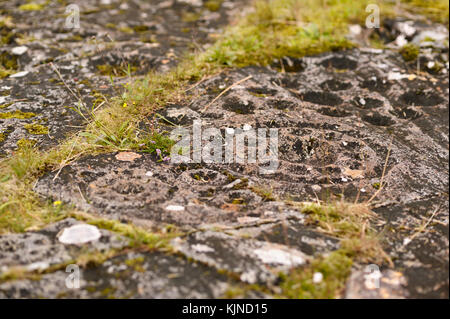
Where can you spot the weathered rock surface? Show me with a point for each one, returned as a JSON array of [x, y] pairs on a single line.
[[339, 118]]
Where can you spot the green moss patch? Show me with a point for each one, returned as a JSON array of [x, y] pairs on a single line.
[[32, 6], [17, 115], [8, 64], [36, 129], [334, 269], [410, 52], [437, 10]]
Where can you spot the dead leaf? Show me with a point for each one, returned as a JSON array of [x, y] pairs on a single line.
[[127, 156], [353, 173]]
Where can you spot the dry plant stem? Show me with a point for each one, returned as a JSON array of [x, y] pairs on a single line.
[[422, 228], [225, 91], [64, 82], [382, 175]]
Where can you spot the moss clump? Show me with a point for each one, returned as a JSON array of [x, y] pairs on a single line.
[[136, 263], [264, 193], [23, 143], [437, 10], [6, 37], [32, 6], [17, 115], [409, 52], [36, 129], [213, 5], [190, 16], [335, 269], [8, 64], [2, 137], [126, 30], [140, 28]]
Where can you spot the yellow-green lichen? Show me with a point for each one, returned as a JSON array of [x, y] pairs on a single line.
[[8, 64], [32, 6], [4, 106], [36, 129], [17, 115], [436, 10], [213, 5], [25, 143]]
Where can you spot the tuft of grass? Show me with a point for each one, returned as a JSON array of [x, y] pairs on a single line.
[[21, 209], [351, 223]]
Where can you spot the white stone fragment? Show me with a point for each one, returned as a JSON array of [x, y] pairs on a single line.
[[79, 234], [19, 50], [229, 130], [39, 265], [397, 76], [279, 257], [232, 184], [19, 74], [194, 3], [401, 41], [317, 277], [149, 174], [406, 241], [202, 248], [175, 208], [249, 277], [355, 29], [406, 28]]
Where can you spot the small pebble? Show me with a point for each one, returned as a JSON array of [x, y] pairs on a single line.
[[19, 50], [317, 277]]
